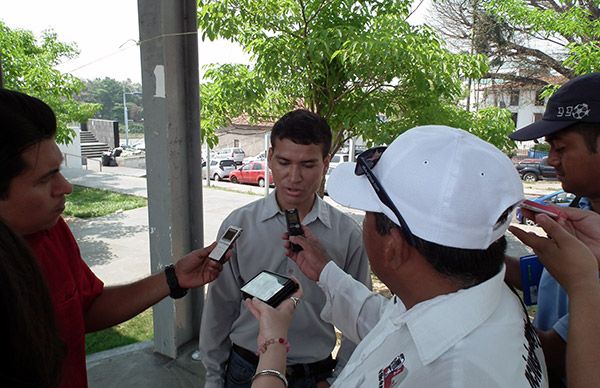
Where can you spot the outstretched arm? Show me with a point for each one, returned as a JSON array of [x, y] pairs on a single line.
[[120, 303]]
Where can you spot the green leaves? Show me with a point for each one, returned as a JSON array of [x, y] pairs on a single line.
[[574, 25], [361, 65], [28, 66]]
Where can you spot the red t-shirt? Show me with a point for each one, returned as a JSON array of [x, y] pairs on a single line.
[[73, 288]]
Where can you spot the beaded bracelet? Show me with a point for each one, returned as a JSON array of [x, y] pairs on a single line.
[[263, 348], [274, 373]]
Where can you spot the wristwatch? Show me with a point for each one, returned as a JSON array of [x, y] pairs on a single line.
[[176, 290]]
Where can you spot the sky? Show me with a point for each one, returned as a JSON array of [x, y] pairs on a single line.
[[106, 33]]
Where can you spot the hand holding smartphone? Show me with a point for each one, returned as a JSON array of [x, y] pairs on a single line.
[[294, 227], [225, 243], [270, 287], [540, 208]]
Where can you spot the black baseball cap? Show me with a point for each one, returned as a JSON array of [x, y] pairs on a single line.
[[577, 101]]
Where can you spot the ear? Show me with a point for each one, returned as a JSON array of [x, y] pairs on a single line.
[[270, 154], [397, 251], [326, 161]]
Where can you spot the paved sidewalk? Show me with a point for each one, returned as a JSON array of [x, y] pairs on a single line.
[[116, 247]]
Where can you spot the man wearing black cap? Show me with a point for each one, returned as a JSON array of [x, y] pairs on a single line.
[[571, 125]]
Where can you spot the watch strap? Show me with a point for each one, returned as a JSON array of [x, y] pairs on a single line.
[[176, 291]]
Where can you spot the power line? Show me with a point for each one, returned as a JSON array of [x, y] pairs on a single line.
[[137, 43]]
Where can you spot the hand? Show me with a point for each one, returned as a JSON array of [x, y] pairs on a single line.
[[323, 384], [195, 269], [312, 258], [568, 259], [273, 322], [583, 224]]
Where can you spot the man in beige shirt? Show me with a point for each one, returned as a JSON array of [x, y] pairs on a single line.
[[299, 157]]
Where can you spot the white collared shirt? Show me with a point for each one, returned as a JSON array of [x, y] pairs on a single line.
[[475, 337]]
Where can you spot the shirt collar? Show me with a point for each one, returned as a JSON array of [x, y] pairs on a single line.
[[438, 324], [319, 211]]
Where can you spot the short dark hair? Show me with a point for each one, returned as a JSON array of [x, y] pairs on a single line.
[[589, 132], [303, 127], [469, 267], [33, 352], [24, 121]]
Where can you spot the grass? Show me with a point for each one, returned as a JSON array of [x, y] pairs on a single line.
[[86, 202], [137, 329]]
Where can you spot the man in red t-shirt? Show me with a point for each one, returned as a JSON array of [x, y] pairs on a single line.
[[32, 199]]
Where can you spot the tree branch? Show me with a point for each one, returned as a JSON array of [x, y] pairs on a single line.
[[519, 51]]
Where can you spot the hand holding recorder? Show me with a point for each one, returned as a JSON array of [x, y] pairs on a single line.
[[312, 258], [294, 227], [225, 243]]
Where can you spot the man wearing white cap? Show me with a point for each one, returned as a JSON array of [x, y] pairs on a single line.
[[438, 201]]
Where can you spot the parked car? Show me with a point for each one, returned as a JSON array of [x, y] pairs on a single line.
[[219, 169], [235, 153], [338, 159], [559, 198], [258, 157], [252, 173], [532, 170]]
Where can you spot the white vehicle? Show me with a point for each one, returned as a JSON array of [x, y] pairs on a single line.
[[235, 153], [219, 169], [338, 159], [256, 158]]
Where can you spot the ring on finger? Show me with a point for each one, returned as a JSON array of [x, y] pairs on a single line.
[[295, 300]]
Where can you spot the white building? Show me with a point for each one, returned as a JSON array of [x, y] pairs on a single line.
[[523, 101]]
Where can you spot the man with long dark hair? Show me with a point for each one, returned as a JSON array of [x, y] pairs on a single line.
[[32, 349]]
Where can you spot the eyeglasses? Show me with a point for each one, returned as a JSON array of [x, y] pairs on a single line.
[[364, 164]]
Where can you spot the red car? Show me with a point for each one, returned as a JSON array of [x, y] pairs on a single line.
[[253, 173]]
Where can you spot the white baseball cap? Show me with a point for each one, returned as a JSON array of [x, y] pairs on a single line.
[[450, 186]]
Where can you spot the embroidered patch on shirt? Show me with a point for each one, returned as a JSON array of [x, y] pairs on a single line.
[[393, 374]]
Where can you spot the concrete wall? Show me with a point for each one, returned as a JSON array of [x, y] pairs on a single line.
[[72, 151], [250, 138], [106, 131]]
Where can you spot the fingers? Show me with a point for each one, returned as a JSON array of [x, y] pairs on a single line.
[[206, 250], [576, 214], [528, 238]]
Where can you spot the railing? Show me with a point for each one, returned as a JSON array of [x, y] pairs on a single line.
[[82, 158]]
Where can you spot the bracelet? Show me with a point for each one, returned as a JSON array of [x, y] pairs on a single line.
[[271, 372], [175, 289], [263, 348]]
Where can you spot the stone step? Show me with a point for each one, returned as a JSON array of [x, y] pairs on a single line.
[[93, 150], [87, 137]]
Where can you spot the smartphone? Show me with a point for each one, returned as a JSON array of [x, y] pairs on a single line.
[[540, 208], [225, 242], [270, 287], [294, 228]]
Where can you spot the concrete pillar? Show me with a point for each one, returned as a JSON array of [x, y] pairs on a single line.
[[170, 81]]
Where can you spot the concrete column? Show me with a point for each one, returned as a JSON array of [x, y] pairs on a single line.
[[170, 81]]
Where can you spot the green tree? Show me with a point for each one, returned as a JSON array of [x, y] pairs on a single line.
[[360, 65], [108, 92], [29, 66]]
